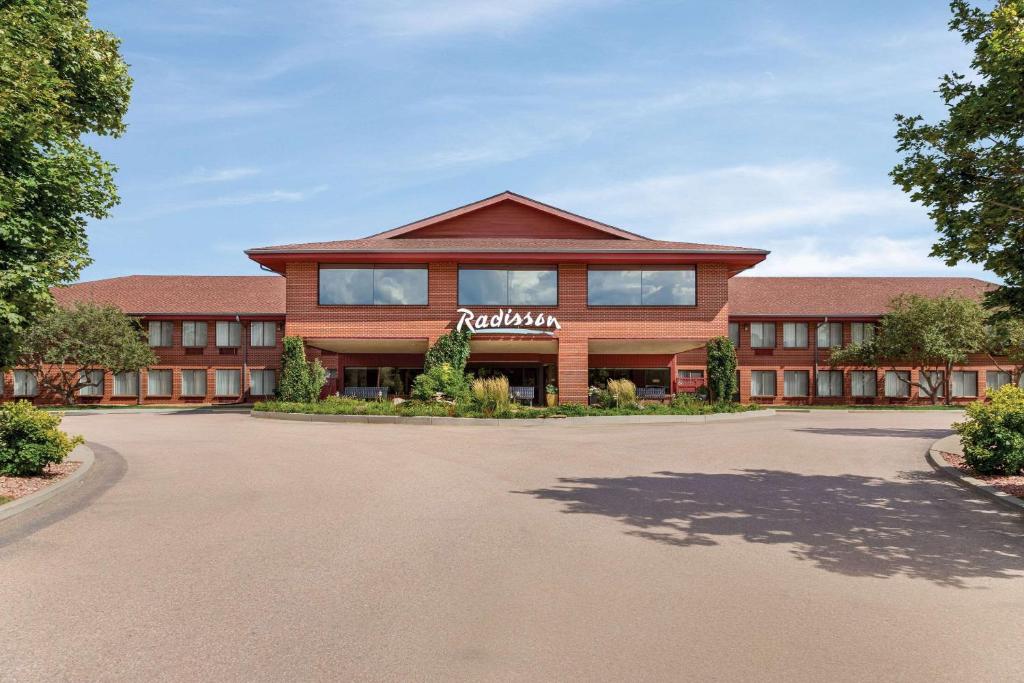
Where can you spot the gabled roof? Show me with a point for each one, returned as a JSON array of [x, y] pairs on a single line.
[[838, 296], [605, 230], [182, 294]]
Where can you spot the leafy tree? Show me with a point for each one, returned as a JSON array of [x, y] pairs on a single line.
[[968, 169], [65, 341], [60, 79], [721, 369], [926, 334], [451, 348], [301, 379], [1004, 344]]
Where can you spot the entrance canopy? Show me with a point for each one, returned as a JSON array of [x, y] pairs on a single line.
[[651, 346], [489, 343], [369, 345]]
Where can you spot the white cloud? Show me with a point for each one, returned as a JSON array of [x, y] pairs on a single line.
[[267, 197], [869, 255], [219, 175]]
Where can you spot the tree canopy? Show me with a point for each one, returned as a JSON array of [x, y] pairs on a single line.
[[60, 79], [64, 341]]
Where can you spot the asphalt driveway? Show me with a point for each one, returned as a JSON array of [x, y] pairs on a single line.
[[219, 547]]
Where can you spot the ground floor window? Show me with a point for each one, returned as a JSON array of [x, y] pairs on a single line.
[[997, 378], [158, 383], [964, 384], [228, 383], [897, 384], [193, 383], [933, 383], [262, 382], [830, 383], [691, 374], [762, 383], [95, 380], [794, 383], [641, 377], [126, 384], [398, 380], [25, 383], [863, 383]]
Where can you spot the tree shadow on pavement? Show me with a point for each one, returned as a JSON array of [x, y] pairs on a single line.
[[849, 524]]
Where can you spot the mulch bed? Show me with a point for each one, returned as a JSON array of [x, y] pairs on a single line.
[[16, 487], [1012, 485]]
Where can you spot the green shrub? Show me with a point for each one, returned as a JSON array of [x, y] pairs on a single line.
[[721, 369], [491, 395], [622, 393], [301, 380], [993, 433], [30, 439], [440, 379], [570, 409], [451, 349]]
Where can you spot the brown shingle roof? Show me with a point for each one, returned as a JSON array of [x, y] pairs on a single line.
[[840, 296], [503, 244], [181, 294]]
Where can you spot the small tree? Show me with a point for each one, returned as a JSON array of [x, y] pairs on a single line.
[[721, 369], [301, 379], [67, 341], [927, 334], [451, 348], [1004, 344]]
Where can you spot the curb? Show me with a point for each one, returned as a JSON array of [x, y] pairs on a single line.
[[509, 422], [951, 444], [81, 453]]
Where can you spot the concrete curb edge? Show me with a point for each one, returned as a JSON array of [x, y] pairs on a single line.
[[494, 422], [82, 454], [939, 464]]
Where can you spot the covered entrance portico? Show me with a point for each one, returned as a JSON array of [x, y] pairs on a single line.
[[529, 362]]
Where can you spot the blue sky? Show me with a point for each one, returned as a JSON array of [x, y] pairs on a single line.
[[762, 124]]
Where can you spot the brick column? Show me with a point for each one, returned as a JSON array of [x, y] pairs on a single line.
[[572, 370]]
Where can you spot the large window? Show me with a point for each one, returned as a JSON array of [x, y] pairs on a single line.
[[862, 332], [228, 383], [830, 335], [641, 377], [762, 335], [897, 383], [95, 380], [262, 382], [964, 384], [229, 334], [647, 286], [933, 383], [193, 333], [193, 383], [378, 285], [762, 383], [508, 286], [262, 334], [161, 333], [399, 380], [126, 384], [996, 378], [25, 383], [830, 383], [863, 383], [794, 335], [734, 334], [794, 383], [159, 382]]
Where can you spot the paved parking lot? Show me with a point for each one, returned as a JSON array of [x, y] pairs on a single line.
[[806, 546]]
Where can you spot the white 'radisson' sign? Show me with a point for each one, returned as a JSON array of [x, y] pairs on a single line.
[[507, 322]]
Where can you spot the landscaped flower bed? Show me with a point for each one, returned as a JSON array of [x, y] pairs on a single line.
[[1014, 485]]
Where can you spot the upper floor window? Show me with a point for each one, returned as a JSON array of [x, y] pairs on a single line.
[[646, 286], [830, 335], [862, 332], [263, 333], [193, 333], [508, 286], [762, 335], [794, 335], [161, 333], [229, 333], [377, 285], [734, 334]]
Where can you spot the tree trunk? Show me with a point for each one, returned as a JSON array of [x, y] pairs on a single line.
[[946, 379]]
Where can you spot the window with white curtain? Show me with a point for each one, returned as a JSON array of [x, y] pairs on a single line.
[[228, 383], [95, 379], [193, 383], [229, 333], [193, 333], [862, 332], [964, 384], [863, 383], [734, 334], [830, 383], [159, 382], [794, 335], [126, 384], [830, 335], [762, 383], [263, 333], [794, 383], [996, 378], [933, 383], [25, 383], [161, 333], [897, 383], [262, 382], [762, 335]]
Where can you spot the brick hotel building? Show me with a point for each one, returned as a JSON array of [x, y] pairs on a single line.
[[553, 298]]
